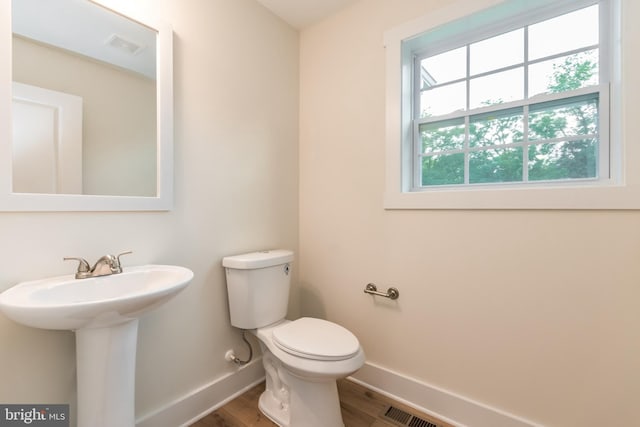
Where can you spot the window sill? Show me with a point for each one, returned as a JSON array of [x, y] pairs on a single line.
[[600, 196]]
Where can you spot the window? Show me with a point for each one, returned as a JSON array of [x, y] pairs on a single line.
[[531, 113], [503, 101]]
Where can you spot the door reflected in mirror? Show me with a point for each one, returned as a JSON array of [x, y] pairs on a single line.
[[84, 101]]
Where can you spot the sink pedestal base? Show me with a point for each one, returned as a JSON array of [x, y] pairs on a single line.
[[106, 362]]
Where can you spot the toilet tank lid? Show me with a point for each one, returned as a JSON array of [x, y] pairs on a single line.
[[259, 259]]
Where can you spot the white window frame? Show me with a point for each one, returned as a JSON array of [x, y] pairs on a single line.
[[619, 189]]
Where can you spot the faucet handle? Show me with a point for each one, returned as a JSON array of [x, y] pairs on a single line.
[[83, 267], [119, 255]]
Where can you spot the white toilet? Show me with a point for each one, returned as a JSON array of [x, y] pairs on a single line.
[[302, 358]]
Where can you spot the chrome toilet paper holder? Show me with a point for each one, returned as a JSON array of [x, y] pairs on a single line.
[[392, 293]]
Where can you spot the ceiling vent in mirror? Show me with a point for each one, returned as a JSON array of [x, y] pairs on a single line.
[[125, 45]]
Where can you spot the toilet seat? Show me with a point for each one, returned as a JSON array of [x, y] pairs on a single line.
[[316, 339]]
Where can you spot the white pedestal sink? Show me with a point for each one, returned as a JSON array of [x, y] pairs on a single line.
[[103, 312]]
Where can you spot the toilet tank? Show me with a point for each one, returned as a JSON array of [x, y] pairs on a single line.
[[258, 287]]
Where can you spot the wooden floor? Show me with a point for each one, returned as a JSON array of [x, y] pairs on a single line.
[[360, 406]]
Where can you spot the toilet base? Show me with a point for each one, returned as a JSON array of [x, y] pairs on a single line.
[[291, 401], [273, 410]]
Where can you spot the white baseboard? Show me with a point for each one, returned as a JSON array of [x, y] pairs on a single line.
[[445, 405], [200, 402]]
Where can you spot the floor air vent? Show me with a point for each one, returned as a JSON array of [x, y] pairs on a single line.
[[406, 419]]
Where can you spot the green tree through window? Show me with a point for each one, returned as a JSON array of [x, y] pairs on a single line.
[[561, 140]]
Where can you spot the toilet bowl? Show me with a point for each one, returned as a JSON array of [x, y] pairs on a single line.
[[302, 358], [301, 376]]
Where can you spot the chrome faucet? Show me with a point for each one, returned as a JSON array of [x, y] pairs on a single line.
[[106, 265]]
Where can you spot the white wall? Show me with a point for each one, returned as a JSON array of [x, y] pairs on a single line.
[[236, 132], [533, 313]]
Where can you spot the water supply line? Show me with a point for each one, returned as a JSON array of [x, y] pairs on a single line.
[[230, 356]]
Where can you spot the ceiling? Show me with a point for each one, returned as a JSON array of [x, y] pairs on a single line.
[[303, 13], [89, 30]]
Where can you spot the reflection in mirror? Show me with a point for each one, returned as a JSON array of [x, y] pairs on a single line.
[[83, 100]]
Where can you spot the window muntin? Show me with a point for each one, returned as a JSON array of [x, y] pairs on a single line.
[[533, 83]]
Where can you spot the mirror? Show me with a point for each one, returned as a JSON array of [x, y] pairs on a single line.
[[87, 99]]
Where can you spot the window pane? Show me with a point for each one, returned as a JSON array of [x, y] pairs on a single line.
[[510, 47], [443, 100], [564, 73], [577, 118], [496, 128], [443, 68], [574, 30], [497, 88], [442, 136], [563, 160], [495, 165], [443, 169]]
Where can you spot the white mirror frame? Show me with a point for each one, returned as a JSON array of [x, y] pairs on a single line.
[[22, 202]]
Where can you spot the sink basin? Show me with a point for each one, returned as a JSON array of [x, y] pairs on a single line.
[[65, 302], [103, 312]]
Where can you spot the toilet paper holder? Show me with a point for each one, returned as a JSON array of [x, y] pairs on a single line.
[[392, 293]]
